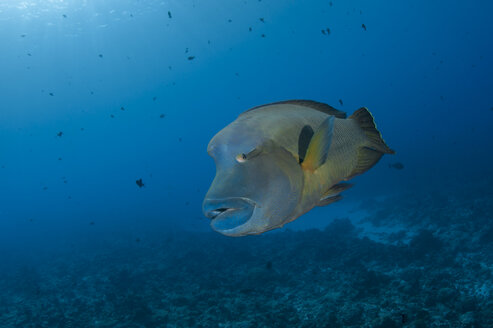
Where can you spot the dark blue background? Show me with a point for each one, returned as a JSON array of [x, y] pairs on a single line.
[[424, 69]]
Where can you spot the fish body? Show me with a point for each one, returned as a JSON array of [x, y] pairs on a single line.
[[276, 162]]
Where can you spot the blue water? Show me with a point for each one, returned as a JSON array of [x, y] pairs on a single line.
[[138, 88]]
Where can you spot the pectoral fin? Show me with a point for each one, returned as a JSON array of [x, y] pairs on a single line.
[[318, 148]]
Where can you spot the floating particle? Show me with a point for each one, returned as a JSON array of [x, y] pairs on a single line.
[[229, 20], [59, 158], [100, 55], [162, 116], [169, 14], [82, 129], [92, 92], [186, 50], [154, 98], [169, 67], [23, 35], [191, 57], [330, 3], [326, 31], [112, 116], [263, 35], [363, 26], [139, 183], [442, 98], [29, 54], [45, 188], [64, 16], [59, 134], [51, 94], [262, 19], [340, 102], [137, 240], [179, 139], [122, 108], [249, 29], [91, 223]]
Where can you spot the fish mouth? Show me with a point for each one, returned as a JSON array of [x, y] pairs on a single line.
[[228, 213]]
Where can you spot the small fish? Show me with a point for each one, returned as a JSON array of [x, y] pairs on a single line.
[[112, 116], [100, 55], [169, 14], [91, 223], [139, 183], [340, 102], [363, 26], [263, 35], [59, 134], [262, 19], [162, 116], [154, 98], [249, 29], [137, 240], [276, 162], [122, 108], [51, 94], [191, 57], [64, 16], [396, 165]]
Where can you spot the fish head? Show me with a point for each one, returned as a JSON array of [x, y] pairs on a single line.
[[257, 184]]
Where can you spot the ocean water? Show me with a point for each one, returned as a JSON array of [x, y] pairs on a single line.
[[99, 96]]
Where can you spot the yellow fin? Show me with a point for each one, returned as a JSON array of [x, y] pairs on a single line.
[[318, 148]]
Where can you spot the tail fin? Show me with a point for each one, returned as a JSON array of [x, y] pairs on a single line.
[[369, 154]]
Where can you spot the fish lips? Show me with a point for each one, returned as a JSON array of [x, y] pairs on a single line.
[[228, 213]]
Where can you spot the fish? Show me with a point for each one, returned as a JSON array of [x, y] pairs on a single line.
[[397, 166], [278, 161], [140, 183]]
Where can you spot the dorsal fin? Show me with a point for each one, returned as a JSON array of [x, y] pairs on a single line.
[[321, 107]]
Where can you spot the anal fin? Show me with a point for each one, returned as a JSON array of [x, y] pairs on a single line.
[[329, 200], [337, 189]]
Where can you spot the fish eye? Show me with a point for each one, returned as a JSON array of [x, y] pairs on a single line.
[[241, 158]]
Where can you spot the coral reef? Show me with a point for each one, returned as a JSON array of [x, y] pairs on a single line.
[[435, 273]]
